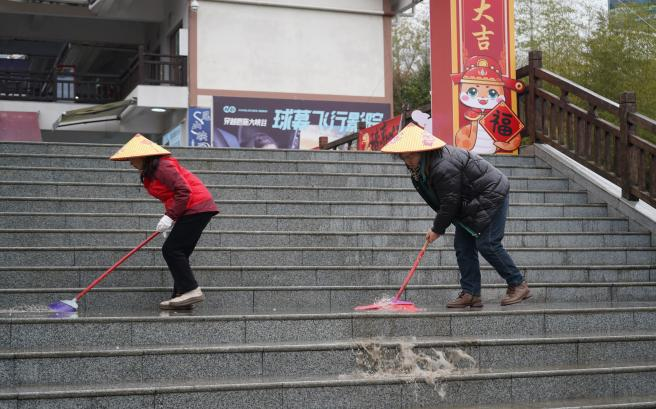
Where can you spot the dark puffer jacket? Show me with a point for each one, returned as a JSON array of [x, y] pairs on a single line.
[[467, 187]]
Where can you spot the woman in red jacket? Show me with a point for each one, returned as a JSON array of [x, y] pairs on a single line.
[[189, 206]]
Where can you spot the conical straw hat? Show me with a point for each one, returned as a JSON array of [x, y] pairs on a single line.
[[413, 138], [139, 147]]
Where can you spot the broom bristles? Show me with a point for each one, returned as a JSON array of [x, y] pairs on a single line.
[[63, 306]]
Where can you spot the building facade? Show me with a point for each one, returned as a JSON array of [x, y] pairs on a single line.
[[99, 70]]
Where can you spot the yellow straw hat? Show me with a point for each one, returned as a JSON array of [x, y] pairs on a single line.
[[139, 147], [413, 138]]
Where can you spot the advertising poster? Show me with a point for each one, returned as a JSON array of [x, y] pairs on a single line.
[[288, 123], [173, 137], [472, 71], [375, 137], [200, 127]]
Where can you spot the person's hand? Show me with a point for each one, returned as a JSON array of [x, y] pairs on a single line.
[[509, 145], [431, 236], [164, 225]]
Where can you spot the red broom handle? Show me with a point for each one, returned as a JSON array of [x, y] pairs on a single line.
[[118, 263], [412, 271]]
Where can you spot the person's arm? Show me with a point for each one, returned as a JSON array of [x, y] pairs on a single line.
[[172, 179], [446, 182]]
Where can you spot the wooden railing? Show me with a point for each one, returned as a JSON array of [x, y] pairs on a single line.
[[344, 140], [145, 68], [592, 130]]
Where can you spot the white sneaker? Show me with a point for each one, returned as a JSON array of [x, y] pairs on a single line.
[[166, 305], [187, 299]]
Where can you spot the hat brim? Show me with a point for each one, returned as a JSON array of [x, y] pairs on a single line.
[[413, 138], [441, 144], [139, 147], [124, 158]]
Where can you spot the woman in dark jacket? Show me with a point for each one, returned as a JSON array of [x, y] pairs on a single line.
[[467, 191], [189, 206]]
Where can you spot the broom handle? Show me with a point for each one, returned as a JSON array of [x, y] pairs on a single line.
[[118, 263], [412, 271]]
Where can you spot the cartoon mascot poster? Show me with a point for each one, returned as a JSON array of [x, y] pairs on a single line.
[[481, 88], [473, 86]]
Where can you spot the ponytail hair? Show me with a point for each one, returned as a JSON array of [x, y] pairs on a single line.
[[150, 166]]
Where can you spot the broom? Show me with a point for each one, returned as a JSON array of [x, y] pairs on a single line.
[[71, 305], [396, 304]]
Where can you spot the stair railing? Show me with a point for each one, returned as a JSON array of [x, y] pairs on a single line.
[[594, 131]]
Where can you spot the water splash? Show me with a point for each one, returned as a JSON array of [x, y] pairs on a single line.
[[431, 366], [387, 304]]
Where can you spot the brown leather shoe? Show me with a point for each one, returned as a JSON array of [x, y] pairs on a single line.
[[465, 300], [516, 294]]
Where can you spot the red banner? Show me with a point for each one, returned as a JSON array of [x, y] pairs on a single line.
[[472, 70], [375, 137]]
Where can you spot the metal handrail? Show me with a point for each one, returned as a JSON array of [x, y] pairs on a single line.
[[145, 68]]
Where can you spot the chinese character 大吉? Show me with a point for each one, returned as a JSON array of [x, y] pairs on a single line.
[[482, 37], [480, 12]]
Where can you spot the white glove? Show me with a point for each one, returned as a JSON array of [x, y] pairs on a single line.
[[164, 225]]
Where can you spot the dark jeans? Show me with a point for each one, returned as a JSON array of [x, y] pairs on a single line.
[[489, 245], [178, 247]]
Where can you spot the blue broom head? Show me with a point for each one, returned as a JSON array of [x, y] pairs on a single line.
[[63, 306]]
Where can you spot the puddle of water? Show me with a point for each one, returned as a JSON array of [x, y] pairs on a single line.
[[28, 308]]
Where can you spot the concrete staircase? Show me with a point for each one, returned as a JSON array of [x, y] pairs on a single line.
[[302, 238]]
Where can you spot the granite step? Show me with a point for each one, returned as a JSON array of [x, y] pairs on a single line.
[[620, 402], [277, 328], [351, 391], [257, 276], [106, 150], [87, 237], [150, 327], [8, 173], [326, 256], [263, 192], [143, 364], [249, 165], [318, 223], [298, 299], [283, 207], [241, 153]]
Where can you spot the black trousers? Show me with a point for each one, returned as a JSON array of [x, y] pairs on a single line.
[[178, 247]]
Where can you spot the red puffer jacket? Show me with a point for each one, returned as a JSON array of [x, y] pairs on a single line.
[[180, 190]]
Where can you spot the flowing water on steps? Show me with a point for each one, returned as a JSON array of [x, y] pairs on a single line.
[[376, 360], [25, 308]]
